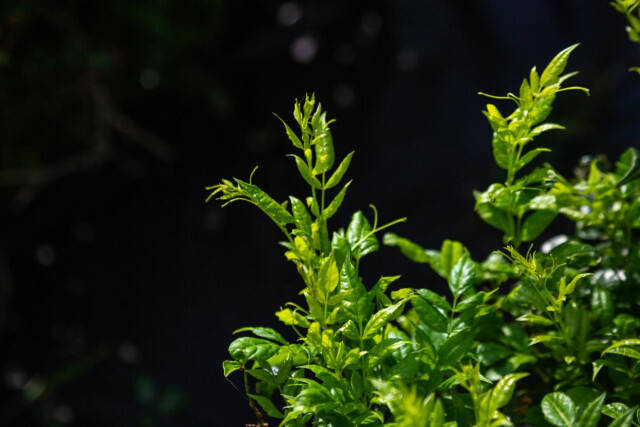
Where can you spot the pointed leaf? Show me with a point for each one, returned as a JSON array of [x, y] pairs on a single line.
[[263, 332], [290, 133], [267, 405], [330, 210], [306, 173], [359, 235], [551, 73], [262, 200], [625, 419], [380, 318], [339, 172], [463, 275], [591, 414], [503, 391], [559, 409]]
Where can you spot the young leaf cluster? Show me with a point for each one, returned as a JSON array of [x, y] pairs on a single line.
[[630, 9]]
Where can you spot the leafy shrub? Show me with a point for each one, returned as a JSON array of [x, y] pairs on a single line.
[[547, 336]]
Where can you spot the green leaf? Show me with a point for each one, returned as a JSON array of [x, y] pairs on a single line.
[[301, 216], [429, 315], [625, 419], [229, 366], [360, 237], [380, 318], [545, 127], [263, 201], [559, 409], [267, 405], [615, 410], [535, 319], [591, 414], [411, 250], [621, 343], [339, 172], [435, 299], [263, 332], [292, 318], [290, 133], [330, 210], [306, 173], [457, 345], [633, 171], [463, 275], [495, 118], [503, 391], [324, 152], [249, 348], [450, 253], [535, 224], [529, 156], [328, 276], [551, 73], [501, 150], [490, 352]]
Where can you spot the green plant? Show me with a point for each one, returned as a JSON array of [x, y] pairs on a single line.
[[542, 337], [629, 8]]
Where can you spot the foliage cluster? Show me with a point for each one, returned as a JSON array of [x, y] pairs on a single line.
[[545, 337]]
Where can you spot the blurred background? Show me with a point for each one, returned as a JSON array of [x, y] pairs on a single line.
[[120, 287]]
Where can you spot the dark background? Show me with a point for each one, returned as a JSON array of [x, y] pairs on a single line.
[[120, 287]]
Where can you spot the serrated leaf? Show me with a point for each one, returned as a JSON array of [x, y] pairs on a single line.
[[339, 172], [551, 73], [332, 208], [306, 173], [591, 414], [463, 275], [263, 201], [429, 315], [625, 419], [380, 318], [559, 409], [359, 235], [455, 346], [263, 332], [301, 216], [267, 406], [621, 343]]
